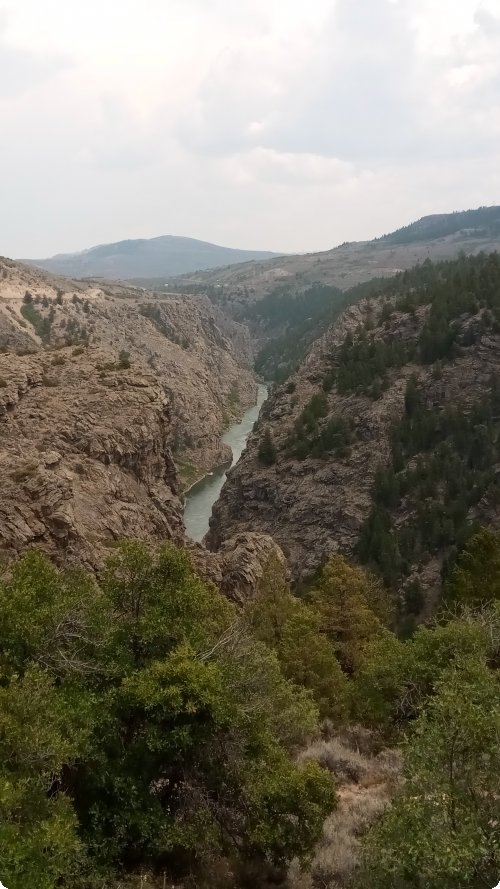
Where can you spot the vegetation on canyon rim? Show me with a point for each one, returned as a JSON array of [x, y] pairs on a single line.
[[147, 723], [152, 731]]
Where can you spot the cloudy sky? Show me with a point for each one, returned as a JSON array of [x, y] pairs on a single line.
[[288, 125]]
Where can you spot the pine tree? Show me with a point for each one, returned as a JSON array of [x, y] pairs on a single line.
[[267, 449]]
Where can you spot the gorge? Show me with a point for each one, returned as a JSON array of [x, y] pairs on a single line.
[[253, 676]]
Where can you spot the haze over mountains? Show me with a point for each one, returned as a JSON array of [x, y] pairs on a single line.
[[165, 256], [151, 261], [435, 237]]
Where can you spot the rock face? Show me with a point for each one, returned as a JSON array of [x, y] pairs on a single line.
[[239, 565], [201, 359], [315, 507], [93, 434], [85, 460], [310, 508]]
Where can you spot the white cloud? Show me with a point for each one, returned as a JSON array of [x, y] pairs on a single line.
[[286, 124]]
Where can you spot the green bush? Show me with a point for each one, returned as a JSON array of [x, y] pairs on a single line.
[[140, 728]]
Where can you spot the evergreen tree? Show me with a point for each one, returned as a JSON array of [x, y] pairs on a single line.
[[267, 449]]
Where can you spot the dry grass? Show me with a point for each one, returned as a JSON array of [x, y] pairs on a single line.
[[24, 472], [366, 776]]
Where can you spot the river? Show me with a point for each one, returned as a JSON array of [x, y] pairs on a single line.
[[203, 495]]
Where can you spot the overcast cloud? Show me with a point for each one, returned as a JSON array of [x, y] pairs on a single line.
[[276, 124]]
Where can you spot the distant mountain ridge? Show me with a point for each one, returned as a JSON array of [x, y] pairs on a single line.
[[485, 221], [165, 256], [437, 237]]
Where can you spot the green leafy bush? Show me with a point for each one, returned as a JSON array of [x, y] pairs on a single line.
[[140, 727]]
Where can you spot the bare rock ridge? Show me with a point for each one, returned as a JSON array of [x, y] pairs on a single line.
[[314, 504]]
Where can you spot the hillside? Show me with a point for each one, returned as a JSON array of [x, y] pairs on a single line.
[[484, 222], [164, 256], [437, 238], [384, 445]]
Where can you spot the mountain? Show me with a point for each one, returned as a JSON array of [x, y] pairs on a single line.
[[436, 238], [166, 256], [385, 443], [289, 302], [484, 222]]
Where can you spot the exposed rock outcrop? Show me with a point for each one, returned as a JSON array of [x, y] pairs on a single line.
[[93, 434], [200, 358], [86, 460], [239, 565]]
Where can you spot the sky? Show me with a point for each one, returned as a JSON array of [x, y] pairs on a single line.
[[288, 125]]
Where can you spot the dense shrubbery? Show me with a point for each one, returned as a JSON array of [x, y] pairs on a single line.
[[267, 449], [364, 362], [313, 438], [436, 694], [41, 323], [140, 726], [443, 828], [147, 725], [284, 306]]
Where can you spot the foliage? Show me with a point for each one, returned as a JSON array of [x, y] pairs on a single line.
[[484, 221], [141, 725], [312, 438], [395, 678], [353, 609], [456, 449], [443, 830], [304, 315], [124, 360], [364, 362], [41, 323], [267, 452], [293, 629], [476, 575]]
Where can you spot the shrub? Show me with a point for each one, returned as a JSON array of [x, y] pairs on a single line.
[[43, 326], [140, 730], [124, 360], [24, 472]]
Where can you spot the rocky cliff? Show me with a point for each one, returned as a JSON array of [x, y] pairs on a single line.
[[338, 460], [201, 359], [111, 401], [86, 457]]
